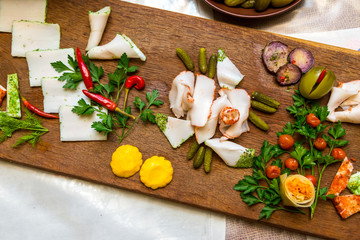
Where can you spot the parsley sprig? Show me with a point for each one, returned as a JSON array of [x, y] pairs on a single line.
[[251, 188], [9, 125], [110, 121], [254, 192]]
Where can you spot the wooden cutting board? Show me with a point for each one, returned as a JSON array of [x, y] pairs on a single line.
[[158, 33]]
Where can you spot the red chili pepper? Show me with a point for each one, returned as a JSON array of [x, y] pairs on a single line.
[[107, 103], [36, 110], [321, 77], [132, 81], [85, 73]]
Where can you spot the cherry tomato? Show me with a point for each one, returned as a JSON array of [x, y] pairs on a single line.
[[273, 172], [338, 153], [291, 163], [286, 141], [311, 178], [320, 144], [312, 120]]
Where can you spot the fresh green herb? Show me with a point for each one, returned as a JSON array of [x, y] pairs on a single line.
[[112, 120], [8, 125], [252, 192], [71, 76]]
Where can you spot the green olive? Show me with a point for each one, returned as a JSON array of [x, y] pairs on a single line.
[[261, 5], [280, 3], [311, 88]]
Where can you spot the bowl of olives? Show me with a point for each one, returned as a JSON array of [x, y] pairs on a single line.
[[252, 8]]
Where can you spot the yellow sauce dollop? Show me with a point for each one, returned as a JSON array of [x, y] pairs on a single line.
[[126, 161], [156, 172]]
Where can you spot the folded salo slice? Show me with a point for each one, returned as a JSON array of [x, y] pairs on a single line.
[[204, 94], [181, 92], [98, 22], [234, 155], [39, 63], [228, 74], [208, 131], [116, 48], [346, 95], [11, 10], [240, 100], [29, 36]]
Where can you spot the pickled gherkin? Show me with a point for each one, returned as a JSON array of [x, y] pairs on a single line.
[[233, 3], [261, 5], [248, 4], [280, 3]]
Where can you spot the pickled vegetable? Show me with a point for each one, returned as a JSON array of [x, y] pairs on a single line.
[[199, 157], [302, 58], [316, 83], [248, 4], [208, 159], [202, 60], [265, 99], [261, 5], [288, 74], [258, 122], [192, 151], [275, 55], [280, 3], [185, 58], [262, 107], [212, 66], [233, 3]]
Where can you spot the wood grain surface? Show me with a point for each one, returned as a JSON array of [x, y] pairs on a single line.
[[158, 33]]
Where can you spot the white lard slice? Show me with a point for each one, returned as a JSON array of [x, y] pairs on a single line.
[[55, 95], [181, 92], [239, 100], [234, 155], [177, 131], [78, 128], [204, 95], [114, 49], [39, 63], [208, 131], [346, 95], [11, 10], [228, 74], [98, 22], [29, 36]]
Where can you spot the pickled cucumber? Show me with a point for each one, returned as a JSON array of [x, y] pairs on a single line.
[[199, 157], [233, 3], [185, 58], [212, 66], [257, 121], [193, 149], [265, 99], [202, 60], [208, 159], [261, 5], [262, 107], [280, 3], [248, 4]]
